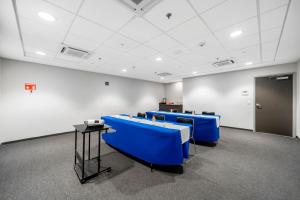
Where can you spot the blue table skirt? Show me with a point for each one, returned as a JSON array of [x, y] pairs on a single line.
[[153, 144], [206, 129]]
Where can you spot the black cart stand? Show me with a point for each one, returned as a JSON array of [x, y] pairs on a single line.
[[90, 168]]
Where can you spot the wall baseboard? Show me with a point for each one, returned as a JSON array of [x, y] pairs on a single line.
[[244, 129], [33, 138]]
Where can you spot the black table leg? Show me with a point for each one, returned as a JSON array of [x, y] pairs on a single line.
[[89, 146], [83, 156], [80, 160], [99, 142], [75, 146]]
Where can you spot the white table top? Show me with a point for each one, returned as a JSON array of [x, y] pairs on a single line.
[[184, 130], [191, 115]]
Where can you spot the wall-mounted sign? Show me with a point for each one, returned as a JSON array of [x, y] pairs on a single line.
[[245, 93], [30, 86]]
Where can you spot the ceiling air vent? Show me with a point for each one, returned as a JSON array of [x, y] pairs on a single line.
[[139, 7], [74, 52], [163, 74], [221, 63]]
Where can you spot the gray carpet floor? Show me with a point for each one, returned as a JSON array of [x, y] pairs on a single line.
[[243, 166]]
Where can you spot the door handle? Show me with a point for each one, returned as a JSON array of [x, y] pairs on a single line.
[[258, 106]]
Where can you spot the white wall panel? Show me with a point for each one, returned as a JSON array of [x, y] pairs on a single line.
[[174, 92], [65, 97], [222, 93], [298, 100]]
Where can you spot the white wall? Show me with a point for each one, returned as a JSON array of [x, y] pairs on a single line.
[[0, 94], [298, 100], [0, 79], [222, 93], [65, 97], [174, 92]]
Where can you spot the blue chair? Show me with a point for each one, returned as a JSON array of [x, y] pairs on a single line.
[[208, 113], [141, 115], [159, 117], [188, 121]]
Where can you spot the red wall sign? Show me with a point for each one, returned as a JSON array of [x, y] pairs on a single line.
[[30, 86]]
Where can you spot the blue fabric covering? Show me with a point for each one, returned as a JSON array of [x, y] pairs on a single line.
[[153, 144], [206, 129]]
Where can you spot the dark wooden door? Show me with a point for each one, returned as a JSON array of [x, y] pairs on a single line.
[[274, 105]]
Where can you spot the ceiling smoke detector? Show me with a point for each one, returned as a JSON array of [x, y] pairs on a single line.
[[221, 63], [201, 44], [139, 7], [74, 52], [169, 15]]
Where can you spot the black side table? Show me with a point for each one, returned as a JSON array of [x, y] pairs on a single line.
[[90, 168]]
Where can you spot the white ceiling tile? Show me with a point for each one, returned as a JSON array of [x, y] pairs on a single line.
[[40, 43], [81, 43], [166, 63], [140, 30], [113, 57], [289, 47], [271, 34], [197, 58], [70, 5], [29, 9], [38, 33], [102, 58], [177, 51], [193, 30], [120, 43], [273, 18], [204, 5], [268, 50], [42, 31], [248, 27], [67, 59], [248, 38], [211, 46], [266, 5], [249, 54], [230, 13], [106, 54], [162, 43], [142, 51], [208, 53], [31, 52], [243, 42], [110, 13], [89, 30], [181, 11]]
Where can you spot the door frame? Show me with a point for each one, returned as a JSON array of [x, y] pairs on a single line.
[[294, 74]]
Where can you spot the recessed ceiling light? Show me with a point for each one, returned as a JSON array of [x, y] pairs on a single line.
[[236, 33], [40, 53], [194, 73], [46, 16], [124, 70], [248, 63], [162, 78], [158, 59]]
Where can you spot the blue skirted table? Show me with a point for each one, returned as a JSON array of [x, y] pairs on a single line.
[[206, 127], [150, 143]]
